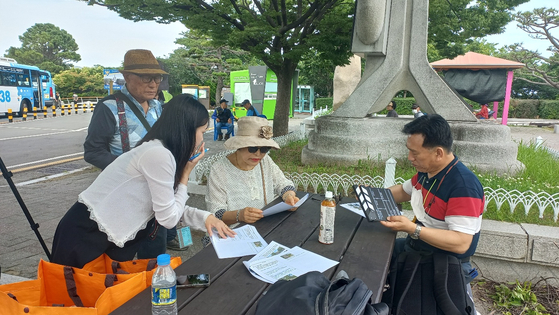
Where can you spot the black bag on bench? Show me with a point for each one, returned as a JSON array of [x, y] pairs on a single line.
[[313, 294], [430, 284]]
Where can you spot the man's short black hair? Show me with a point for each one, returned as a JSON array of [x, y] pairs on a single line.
[[393, 104], [434, 128]]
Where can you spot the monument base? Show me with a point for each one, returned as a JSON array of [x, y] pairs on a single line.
[[484, 145]]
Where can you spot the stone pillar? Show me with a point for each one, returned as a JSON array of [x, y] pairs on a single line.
[[346, 79]]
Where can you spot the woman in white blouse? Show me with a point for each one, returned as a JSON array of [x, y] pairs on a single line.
[[144, 184], [242, 183]]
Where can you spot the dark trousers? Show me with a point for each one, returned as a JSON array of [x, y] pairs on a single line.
[[405, 245], [77, 240], [154, 244]]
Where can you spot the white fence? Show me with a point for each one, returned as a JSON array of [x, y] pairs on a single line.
[[343, 183]]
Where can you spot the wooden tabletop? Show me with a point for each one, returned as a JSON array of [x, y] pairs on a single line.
[[363, 249]]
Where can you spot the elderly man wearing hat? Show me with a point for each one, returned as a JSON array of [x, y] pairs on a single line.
[[223, 118], [122, 119], [251, 111], [242, 183]]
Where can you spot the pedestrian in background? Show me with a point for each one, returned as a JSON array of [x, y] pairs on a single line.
[[251, 111], [391, 108], [416, 111]]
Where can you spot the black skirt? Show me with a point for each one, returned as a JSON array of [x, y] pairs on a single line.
[[78, 240]]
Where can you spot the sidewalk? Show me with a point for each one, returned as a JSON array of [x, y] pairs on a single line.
[[47, 202]]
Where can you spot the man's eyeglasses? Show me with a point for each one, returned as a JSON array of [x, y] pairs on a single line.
[[148, 78], [263, 150]]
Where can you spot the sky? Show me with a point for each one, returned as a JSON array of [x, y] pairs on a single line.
[[103, 37]]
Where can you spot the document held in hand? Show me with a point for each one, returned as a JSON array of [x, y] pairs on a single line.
[[282, 206], [247, 242]]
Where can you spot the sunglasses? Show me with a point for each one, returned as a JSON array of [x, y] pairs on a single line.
[[263, 150], [148, 78]]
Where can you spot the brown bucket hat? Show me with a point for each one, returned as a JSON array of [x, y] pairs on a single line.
[[141, 61]]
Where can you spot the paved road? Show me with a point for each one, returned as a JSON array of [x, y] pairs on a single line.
[[47, 201]]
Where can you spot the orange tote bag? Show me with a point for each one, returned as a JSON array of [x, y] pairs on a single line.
[[104, 264], [63, 290]]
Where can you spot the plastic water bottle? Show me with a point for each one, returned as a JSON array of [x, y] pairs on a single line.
[[164, 288], [327, 219]]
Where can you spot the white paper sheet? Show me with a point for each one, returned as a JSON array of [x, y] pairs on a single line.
[[247, 242], [272, 249], [290, 264], [282, 206], [354, 207]]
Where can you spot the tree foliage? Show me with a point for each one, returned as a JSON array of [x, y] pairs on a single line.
[[210, 61], [454, 24], [540, 24], [278, 32], [84, 81], [281, 32], [47, 47]]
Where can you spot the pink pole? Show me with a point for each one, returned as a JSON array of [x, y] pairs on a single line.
[[507, 98], [495, 109]]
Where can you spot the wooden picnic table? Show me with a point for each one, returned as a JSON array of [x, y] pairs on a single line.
[[363, 249]]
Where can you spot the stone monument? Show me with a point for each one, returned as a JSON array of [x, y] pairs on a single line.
[[346, 79], [395, 48]]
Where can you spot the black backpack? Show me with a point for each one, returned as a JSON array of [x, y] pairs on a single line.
[[430, 284], [313, 294]]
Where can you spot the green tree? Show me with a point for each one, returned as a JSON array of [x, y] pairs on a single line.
[[47, 47], [540, 24], [280, 33], [211, 60], [84, 81]]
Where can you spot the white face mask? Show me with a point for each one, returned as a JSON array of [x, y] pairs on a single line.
[[414, 111]]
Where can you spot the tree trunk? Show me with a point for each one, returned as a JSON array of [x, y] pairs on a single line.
[[219, 85], [283, 110]]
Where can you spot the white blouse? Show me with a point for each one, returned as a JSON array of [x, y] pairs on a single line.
[[135, 187], [230, 188]]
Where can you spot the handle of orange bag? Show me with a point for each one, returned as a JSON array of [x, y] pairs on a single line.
[[151, 264], [115, 266], [110, 280], [71, 286]]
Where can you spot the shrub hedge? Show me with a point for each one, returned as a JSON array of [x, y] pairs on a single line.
[[518, 108], [323, 102]]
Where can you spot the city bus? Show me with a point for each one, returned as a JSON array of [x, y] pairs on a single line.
[[23, 86]]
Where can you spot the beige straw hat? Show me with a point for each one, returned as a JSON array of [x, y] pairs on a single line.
[[141, 61], [253, 131]]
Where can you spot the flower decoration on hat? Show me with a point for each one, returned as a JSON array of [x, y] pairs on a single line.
[[266, 132]]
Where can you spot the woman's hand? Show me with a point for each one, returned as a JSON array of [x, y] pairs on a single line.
[[250, 215], [191, 164], [222, 229], [290, 198]]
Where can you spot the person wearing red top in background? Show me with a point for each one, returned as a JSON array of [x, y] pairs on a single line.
[[483, 112]]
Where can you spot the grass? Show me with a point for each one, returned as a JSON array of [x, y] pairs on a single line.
[[540, 175]]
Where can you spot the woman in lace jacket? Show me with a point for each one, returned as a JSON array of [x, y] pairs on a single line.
[[144, 184], [242, 183]]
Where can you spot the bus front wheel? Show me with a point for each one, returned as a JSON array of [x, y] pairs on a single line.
[[24, 104]]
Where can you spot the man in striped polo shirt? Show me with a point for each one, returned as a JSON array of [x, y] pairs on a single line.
[[446, 197]]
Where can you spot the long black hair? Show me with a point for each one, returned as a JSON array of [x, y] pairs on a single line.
[[176, 129]]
